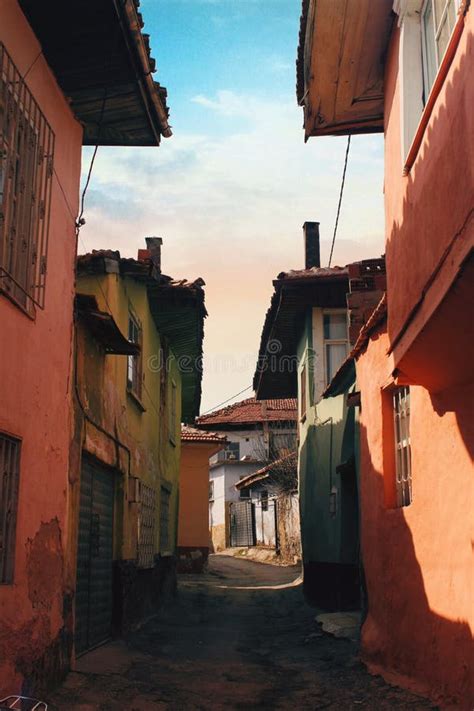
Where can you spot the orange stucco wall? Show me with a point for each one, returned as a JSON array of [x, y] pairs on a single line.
[[193, 521], [418, 560], [430, 212], [35, 397]]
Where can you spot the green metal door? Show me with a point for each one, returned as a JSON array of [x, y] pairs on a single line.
[[94, 556]]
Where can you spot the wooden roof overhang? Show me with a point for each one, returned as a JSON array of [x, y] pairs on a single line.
[[179, 314], [276, 373], [340, 65], [103, 327], [102, 63]]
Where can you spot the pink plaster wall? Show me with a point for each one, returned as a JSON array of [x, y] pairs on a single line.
[[35, 393], [418, 560], [434, 205]]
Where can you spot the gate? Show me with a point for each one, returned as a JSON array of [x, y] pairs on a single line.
[[242, 528], [94, 556]]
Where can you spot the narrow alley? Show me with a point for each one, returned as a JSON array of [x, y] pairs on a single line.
[[239, 636]]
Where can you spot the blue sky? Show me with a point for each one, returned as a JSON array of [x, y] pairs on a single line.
[[230, 190]]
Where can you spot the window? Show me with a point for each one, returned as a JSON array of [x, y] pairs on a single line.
[[264, 499], [172, 413], [303, 378], [438, 20], [211, 491], [146, 527], [244, 493], [9, 483], [134, 362], [335, 342], [26, 169], [165, 496], [401, 418], [231, 452]]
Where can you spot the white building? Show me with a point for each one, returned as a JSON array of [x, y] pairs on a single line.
[[257, 432]]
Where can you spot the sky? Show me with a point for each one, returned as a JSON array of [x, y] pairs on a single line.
[[230, 190]]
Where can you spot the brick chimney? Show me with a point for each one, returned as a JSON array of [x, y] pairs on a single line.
[[311, 245], [154, 248]]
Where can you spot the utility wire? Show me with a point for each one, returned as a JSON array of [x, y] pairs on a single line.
[[340, 199], [226, 401]]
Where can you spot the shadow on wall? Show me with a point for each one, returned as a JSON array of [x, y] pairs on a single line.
[[438, 205], [329, 539], [402, 638]]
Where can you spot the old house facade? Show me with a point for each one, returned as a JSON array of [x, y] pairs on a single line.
[[406, 69], [315, 316], [51, 103], [130, 398], [255, 432], [197, 447]]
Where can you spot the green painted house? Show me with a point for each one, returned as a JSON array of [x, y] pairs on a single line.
[[313, 321]]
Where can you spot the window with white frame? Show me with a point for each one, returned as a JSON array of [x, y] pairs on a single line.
[[438, 18], [231, 452], [134, 362], [426, 28], [401, 420], [335, 342]]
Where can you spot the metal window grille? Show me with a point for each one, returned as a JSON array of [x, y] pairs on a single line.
[[165, 496], [146, 527], [9, 482], [26, 169], [134, 362], [401, 417]]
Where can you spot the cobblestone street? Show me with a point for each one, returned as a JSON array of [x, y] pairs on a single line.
[[239, 636]]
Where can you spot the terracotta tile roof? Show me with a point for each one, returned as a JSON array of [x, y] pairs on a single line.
[[264, 472], [250, 411], [191, 434]]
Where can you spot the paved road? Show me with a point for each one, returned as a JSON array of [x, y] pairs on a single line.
[[238, 637]]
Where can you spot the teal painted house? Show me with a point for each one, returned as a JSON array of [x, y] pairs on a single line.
[[312, 323]]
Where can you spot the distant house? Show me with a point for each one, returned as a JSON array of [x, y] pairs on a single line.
[[71, 74], [133, 324], [197, 446], [273, 497], [405, 68], [315, 316], [257, 433]]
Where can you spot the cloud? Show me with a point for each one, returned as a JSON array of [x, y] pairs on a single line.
[[230, 207]]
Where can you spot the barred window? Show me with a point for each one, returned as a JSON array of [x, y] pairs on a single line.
[[9, 482], [146, 527], [26, 169], [165, 496], [401, 417]]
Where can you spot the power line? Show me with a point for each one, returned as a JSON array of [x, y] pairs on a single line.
[[226, 401], [340, 198]]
